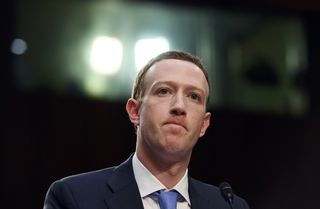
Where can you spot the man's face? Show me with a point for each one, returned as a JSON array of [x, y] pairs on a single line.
[[172, 112]]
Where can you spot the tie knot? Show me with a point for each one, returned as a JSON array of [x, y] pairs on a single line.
[[167, 200]]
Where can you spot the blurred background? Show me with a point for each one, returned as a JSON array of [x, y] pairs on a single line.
[[67, 70]]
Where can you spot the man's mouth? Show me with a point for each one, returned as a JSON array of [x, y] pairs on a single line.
[[175, 124]]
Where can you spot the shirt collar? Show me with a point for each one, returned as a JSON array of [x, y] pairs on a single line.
[[148, 183]]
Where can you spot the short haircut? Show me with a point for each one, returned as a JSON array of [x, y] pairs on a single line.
[[139, 84]]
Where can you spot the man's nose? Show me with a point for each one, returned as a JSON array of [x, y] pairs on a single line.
[[178, 105]]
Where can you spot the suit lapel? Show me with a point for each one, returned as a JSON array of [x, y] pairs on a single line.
[[122, 188], [198, 199]]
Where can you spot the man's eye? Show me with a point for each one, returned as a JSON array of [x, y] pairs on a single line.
[[163, 91], [195, 96]]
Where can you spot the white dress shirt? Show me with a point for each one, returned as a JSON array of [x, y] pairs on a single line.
[[148, 183]]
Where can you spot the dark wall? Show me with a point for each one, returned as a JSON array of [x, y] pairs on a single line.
[[271, 160]]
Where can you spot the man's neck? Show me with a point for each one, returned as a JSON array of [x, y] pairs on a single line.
[[168, 173]]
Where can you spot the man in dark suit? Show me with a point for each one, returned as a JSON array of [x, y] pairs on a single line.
[[168, 111]]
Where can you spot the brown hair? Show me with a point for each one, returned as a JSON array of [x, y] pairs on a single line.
[[138, 86]]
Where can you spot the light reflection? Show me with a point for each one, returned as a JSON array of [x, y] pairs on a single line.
[[106, 55], [19, 46]]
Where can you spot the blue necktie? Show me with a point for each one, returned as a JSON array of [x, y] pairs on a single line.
[[167, 200]]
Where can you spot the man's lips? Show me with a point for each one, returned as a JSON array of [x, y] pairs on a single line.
[[175, 123]]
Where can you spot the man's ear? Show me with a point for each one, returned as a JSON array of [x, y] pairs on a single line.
[[132, 108], [206, 123]]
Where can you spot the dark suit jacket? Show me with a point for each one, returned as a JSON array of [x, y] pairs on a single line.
[[116, 188]]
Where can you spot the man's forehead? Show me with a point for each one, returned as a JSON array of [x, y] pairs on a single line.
[[173, 70]]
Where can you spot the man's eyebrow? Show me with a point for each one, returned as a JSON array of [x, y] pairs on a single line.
[[157, 83]]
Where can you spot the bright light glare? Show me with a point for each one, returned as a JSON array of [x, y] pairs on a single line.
[[145, 49], [18, 46], [106, 55]]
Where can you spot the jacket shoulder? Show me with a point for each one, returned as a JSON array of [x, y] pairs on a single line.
[[85, 189], [88, 177]]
